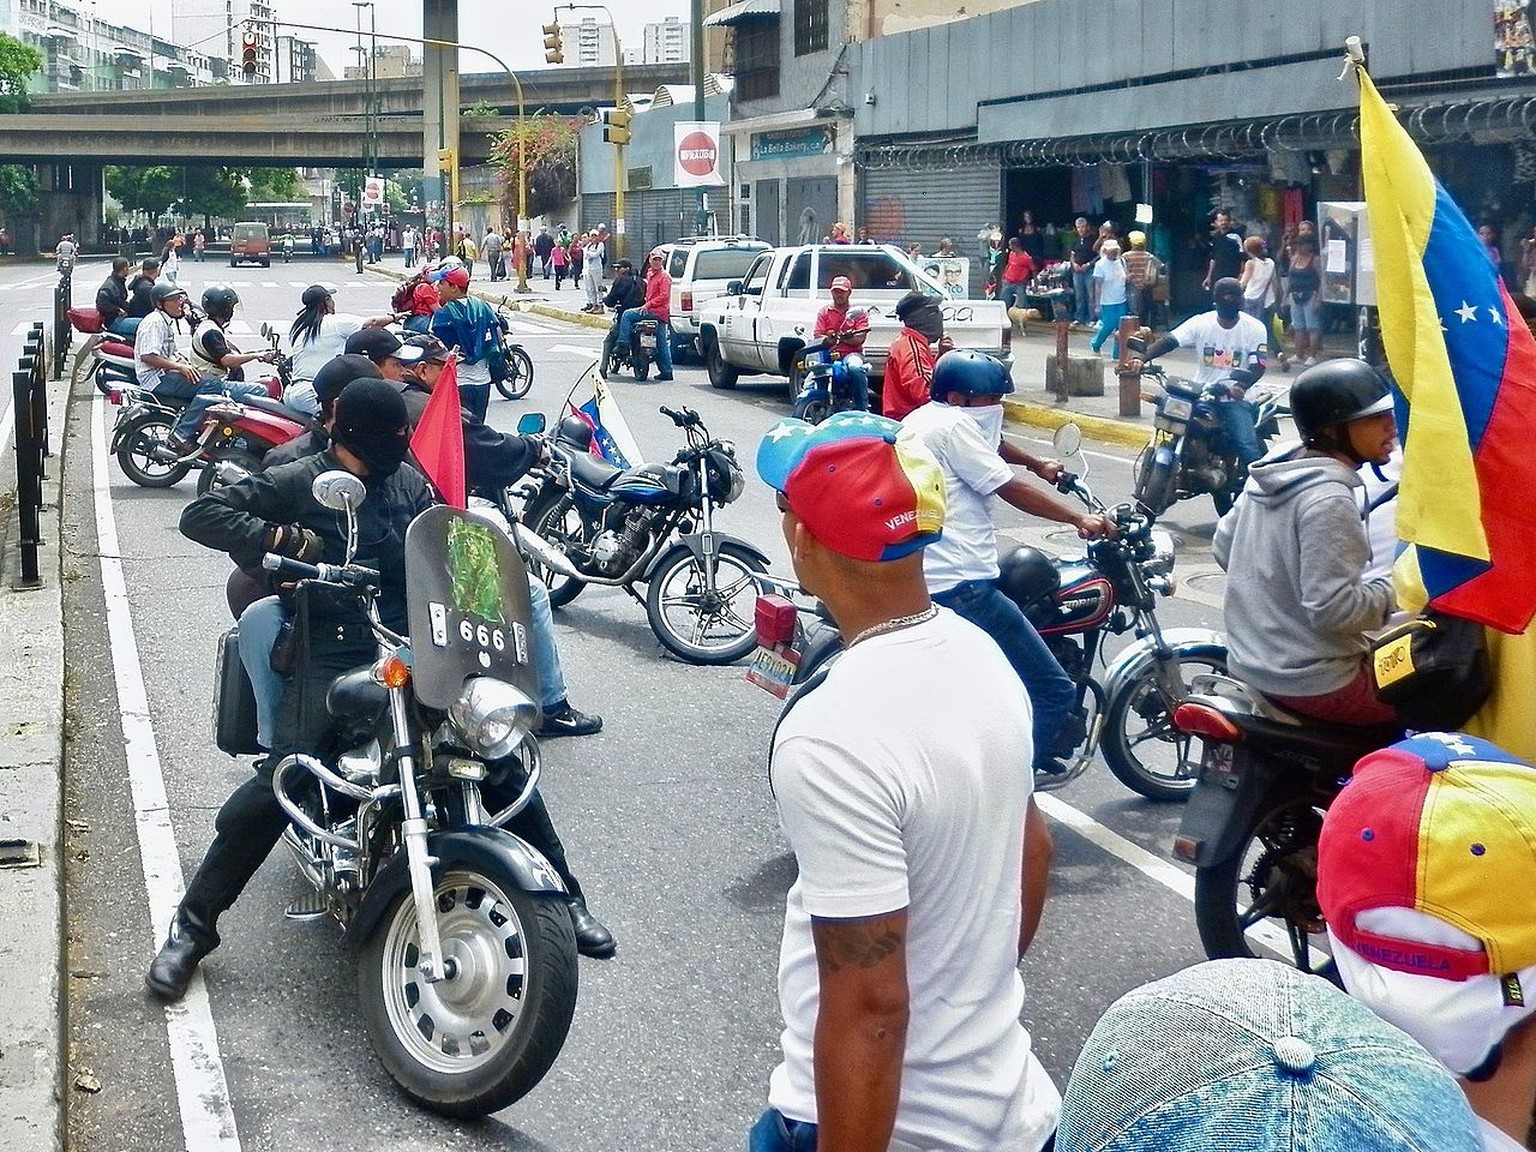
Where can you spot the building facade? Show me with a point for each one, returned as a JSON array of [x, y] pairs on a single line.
[[216, 27], [83, 52], [588, 43], [667, 42], [389, 61]]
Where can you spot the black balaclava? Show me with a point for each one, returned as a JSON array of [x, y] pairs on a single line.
[[372, 424], [1228, 298], [923, 315]]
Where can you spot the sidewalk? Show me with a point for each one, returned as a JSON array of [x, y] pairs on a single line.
[[32, 686], [1033, 404]]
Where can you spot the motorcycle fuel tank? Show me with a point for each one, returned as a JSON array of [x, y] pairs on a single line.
[[648, 485]]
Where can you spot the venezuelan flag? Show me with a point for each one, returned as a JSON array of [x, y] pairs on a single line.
[[1466, 364]]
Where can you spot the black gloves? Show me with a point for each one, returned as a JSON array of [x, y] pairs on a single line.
[[296, 542]]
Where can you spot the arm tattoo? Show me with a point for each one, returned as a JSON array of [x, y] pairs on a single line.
[[860, 943]]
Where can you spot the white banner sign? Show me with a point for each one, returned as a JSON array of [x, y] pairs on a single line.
[[373, 193], [696, 154]]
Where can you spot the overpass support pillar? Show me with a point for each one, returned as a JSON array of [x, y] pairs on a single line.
[[440, 100], [69, 199]]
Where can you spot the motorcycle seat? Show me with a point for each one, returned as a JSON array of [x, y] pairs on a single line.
[[594, 471], [356, 697], [1344, 741], [276, 408], [115, 348]]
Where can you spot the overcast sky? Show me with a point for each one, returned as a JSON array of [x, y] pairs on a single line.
[[509, 28]]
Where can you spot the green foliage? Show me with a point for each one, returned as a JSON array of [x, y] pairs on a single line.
[[18, 61], [212, 193], [396, 198], [482, 110], [18, 190], [275, 186], [548, 146], [160, 188], [151, 190]]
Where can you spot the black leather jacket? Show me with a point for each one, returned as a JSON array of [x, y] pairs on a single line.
[[492, 460], [112, 298], [627, 292], [240, 518]]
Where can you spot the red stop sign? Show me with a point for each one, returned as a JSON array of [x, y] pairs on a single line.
[[697, 154]]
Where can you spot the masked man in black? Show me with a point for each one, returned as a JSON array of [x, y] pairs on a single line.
[[274, 511]]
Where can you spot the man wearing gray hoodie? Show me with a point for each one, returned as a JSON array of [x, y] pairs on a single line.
[[1299, 603]]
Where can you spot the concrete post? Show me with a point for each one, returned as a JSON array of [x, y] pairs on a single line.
[[440, 96], [1130, 378]]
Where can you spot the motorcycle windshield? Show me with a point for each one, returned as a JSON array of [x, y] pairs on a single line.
[[467, 596]]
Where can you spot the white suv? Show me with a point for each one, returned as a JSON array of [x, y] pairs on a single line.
[[701, 267]]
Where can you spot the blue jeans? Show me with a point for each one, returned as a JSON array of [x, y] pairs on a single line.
[[627, 323], [259, 625], [541, 643], [1237, 426], [775, 1132], [200, 397], [1012, 295], [1110, 316], [1082, 296], [126, 327], [1050, 692]]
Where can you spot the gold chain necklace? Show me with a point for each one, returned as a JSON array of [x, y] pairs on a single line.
[[897, 624]]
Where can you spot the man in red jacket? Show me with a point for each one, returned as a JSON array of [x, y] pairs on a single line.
[[658, 307], [909, 363]]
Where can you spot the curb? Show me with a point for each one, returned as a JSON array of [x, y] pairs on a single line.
[[32, 705], [1104, 429]]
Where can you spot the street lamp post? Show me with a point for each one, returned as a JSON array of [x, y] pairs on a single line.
[[619, 176], [517, 85]]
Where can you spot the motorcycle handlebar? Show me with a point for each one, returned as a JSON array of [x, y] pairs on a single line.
[[684, 419], [347, 575]]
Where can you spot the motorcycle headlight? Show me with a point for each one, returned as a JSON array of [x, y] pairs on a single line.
[[1161, 563], [492, 717]]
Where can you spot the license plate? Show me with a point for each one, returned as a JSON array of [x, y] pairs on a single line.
[[1177, 408], [647, 341], [772, 672]]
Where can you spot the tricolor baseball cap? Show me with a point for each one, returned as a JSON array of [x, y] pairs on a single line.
[[863, 485], [1426, 869]]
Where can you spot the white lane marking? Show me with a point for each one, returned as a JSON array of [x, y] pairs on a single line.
[[574, 350], [530, 326], [270, 284], [7, 424], [1167, 874], [202, 1092], [22, 328]]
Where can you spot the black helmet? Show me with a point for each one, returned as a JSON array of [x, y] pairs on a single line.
[[166, 290], [219, 301], [971, 373], [1336, 392], [1027, 574]]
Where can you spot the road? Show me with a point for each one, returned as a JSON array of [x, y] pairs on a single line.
[[666, 816]]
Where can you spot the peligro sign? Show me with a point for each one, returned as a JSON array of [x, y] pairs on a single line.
[[696, 154]]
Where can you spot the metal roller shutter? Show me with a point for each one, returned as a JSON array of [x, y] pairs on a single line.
[[900, 207]]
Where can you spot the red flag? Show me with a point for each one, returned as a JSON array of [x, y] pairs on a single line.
[[439, 439]]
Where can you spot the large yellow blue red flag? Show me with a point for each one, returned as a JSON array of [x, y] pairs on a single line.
[[1466, 363]]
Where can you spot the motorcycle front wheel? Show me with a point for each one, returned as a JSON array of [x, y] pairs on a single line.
[[1141, 746], [556, 518], [519, 381], [135, 452], [1267, 889], [812, 410], [699, 625], [477, 1042], [1154, 489]]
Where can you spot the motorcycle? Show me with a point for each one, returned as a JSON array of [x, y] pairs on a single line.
[[518, 380], [828, 386], [1188, 454], [1267, 776], [639, 352], [1075, 603], [467, 956], [588, 522]]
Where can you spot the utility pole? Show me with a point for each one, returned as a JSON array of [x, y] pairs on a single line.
[[696, 34]]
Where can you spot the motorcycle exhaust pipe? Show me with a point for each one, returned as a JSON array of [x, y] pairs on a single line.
[[541, 551]]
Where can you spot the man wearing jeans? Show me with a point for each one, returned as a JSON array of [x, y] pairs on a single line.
[[963, 426], [159, 370], [657, 307], [1084, 253]]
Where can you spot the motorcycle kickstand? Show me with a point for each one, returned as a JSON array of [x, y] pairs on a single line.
[[639, 599]]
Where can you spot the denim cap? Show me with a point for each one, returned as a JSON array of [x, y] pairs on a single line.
[[1256, 1056]]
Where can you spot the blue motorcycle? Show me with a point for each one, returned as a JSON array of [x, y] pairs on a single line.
[[831, 385]]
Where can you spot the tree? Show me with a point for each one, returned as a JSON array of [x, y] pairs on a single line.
[[212, 192], [275, 186], [151, 190], [549, 155], [18, 190], [18, 62]]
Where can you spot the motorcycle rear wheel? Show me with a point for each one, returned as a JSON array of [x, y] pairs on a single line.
[[139, 440], [642, 365], [520, 380], [555, 518], [239, 463], [1174, 773], [476, 1043], [706, 627], [1268, 883]]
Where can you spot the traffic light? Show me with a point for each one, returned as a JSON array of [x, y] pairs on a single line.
[[448, 169], [616, 126], [554, 50], [250, 49]]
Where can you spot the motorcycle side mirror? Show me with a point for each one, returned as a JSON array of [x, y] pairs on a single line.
[[531, 424], [338, 490], [1068, 440]]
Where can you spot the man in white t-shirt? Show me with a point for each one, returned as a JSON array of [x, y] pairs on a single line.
[[962, 425], [898, 972], [1234, 351]]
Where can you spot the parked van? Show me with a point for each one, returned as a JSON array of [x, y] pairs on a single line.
[[250, 243]]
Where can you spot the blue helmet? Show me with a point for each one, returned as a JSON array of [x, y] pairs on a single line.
[[971, 373]]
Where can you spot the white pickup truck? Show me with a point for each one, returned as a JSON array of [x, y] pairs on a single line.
[[763, 321]]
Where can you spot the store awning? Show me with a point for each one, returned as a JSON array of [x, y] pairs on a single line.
[[742, 10]]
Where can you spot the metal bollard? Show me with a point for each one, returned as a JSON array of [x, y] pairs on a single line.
[[1130, 379], [62, 301]]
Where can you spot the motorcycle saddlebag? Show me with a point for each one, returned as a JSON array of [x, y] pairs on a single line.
[[234, 702]]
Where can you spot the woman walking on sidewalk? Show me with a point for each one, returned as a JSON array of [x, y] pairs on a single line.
[[559, 259]]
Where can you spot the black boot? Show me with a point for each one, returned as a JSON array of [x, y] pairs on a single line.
[[190, 939], [592, 936]]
